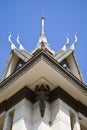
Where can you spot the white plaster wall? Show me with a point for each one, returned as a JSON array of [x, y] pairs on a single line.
[[22, 116], [60, 116], [56, 117], [22, 124], [39, 123]]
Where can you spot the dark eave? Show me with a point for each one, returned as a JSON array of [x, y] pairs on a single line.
[[53, 63], [57, 93]]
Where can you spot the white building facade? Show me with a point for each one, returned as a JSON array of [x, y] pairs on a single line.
[[42, 89]]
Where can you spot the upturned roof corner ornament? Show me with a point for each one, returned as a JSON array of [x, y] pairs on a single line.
[[64, 48], [75, 41], [11, 43], [42, 93], [20, 45]]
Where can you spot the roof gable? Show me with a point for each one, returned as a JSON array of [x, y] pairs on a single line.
[[71, 63], [32, 71], [15, 57]]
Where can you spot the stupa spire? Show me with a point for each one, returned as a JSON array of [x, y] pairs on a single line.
[[42, 30], [42, 39], [42, 42]]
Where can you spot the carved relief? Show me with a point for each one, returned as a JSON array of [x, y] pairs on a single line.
[[42, 93]]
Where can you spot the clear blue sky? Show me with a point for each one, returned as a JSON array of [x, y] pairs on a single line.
[[62, 17]]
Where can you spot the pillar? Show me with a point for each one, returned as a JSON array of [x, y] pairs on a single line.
[[7, 122], [76, 124], [60, 116], [22, 116], [38, 122]]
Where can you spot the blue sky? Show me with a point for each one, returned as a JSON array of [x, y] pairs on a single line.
[[62, 17]]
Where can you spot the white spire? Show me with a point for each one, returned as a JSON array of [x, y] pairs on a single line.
[[42, 31], [42, 43], [42, 38], [20, 45], [75, 41], [67, 42], [10, 41]]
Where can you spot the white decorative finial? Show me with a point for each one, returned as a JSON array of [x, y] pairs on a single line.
[[42, 42], [67, 42], [42, 35], [20, 45], [10, 41], [75, 41], [42, 30]]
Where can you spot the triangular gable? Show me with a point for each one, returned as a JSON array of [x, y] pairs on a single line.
[[15, 60], [68, 60]]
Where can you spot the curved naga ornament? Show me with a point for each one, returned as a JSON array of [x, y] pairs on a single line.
[[20, 45], [75, 41], [67, 42], [10, 41]]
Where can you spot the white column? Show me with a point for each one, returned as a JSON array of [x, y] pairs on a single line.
[[76, 124], [22, 116], [60, 116], [7, 122]]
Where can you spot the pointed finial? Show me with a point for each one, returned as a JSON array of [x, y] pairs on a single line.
[[42, 42], [10, 41], [42, 30], [74, 43], [76, 39], [20, 45], [67, 42], [42, 35]]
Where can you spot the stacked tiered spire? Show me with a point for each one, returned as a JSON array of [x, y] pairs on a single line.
[[42, 40]]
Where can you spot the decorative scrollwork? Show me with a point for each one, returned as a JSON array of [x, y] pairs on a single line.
[[20, 45], [64, 48], [10, 42]]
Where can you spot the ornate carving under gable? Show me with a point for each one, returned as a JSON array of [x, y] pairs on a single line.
[[42, 93]]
